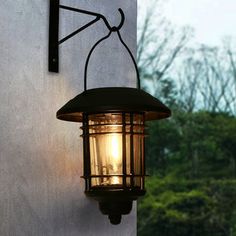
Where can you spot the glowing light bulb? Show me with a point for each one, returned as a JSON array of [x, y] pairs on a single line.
[[115, 180], [115, 147], [115, 157]]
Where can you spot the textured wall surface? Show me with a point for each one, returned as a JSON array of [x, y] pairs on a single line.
[[41, 192]]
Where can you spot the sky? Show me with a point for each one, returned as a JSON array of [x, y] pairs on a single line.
[[211, 19]]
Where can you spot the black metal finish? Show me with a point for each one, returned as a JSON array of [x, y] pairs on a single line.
[[124, 149], [143, 168], [114, 199], [133, 59], [115, 203], [87, 159], [114, 210], [89, 56], [102, 100], [126, 47], [86, 151], [135, 107], [54, 42], [112, 175], [97, 15], [79, 30], [132, 149], [113, 29], [53, 58]]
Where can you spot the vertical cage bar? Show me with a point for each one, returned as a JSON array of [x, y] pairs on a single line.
[[86, 150], [141, 139], [132, 149], [124, 149], [53, 58], [143, 155]]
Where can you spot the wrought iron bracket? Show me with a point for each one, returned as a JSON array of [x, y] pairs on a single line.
[[54, 41]]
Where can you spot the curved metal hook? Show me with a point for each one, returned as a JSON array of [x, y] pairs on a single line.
[[105, 21], [89, 56], [111, 29], [114, 28], [133, 59], [122, 19]]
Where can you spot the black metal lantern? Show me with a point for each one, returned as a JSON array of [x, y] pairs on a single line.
[[113, 139], [113, 125]]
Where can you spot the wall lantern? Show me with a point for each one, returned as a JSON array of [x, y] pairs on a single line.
[[113, 126]]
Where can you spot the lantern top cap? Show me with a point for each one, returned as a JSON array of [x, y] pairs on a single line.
[[104, 100]]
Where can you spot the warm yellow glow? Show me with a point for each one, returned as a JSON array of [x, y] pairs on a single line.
[[106, 149], [116, 157], [115, 180], [115, 147]]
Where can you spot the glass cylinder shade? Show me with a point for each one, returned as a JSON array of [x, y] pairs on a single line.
[[115, 150]]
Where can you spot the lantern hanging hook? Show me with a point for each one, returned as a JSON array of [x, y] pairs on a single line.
[[117, 28], [54, 41], [113, 29]]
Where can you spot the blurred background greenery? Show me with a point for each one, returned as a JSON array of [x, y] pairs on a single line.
[[190, 157]]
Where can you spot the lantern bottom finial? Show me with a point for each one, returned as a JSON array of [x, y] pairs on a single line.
[[115, 219], [115, 210]]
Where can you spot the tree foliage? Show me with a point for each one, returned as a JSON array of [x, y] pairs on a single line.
[[182, 207], [191, 156], [193, 145]]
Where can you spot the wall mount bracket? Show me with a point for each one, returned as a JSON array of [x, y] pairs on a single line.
[[54, 41]]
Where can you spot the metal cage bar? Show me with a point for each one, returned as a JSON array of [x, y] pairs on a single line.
[[86, 150], [132, 149], [143, 158], [127, 120], [124, 149]]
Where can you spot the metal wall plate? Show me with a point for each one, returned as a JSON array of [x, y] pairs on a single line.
[[53, 57], [54, 41]]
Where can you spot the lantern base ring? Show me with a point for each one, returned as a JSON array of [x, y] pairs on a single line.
[[115, 202]]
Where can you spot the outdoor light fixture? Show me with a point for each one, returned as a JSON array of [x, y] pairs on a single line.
[[113, 125]]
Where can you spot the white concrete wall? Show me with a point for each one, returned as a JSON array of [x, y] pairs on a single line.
[[41, 192]]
